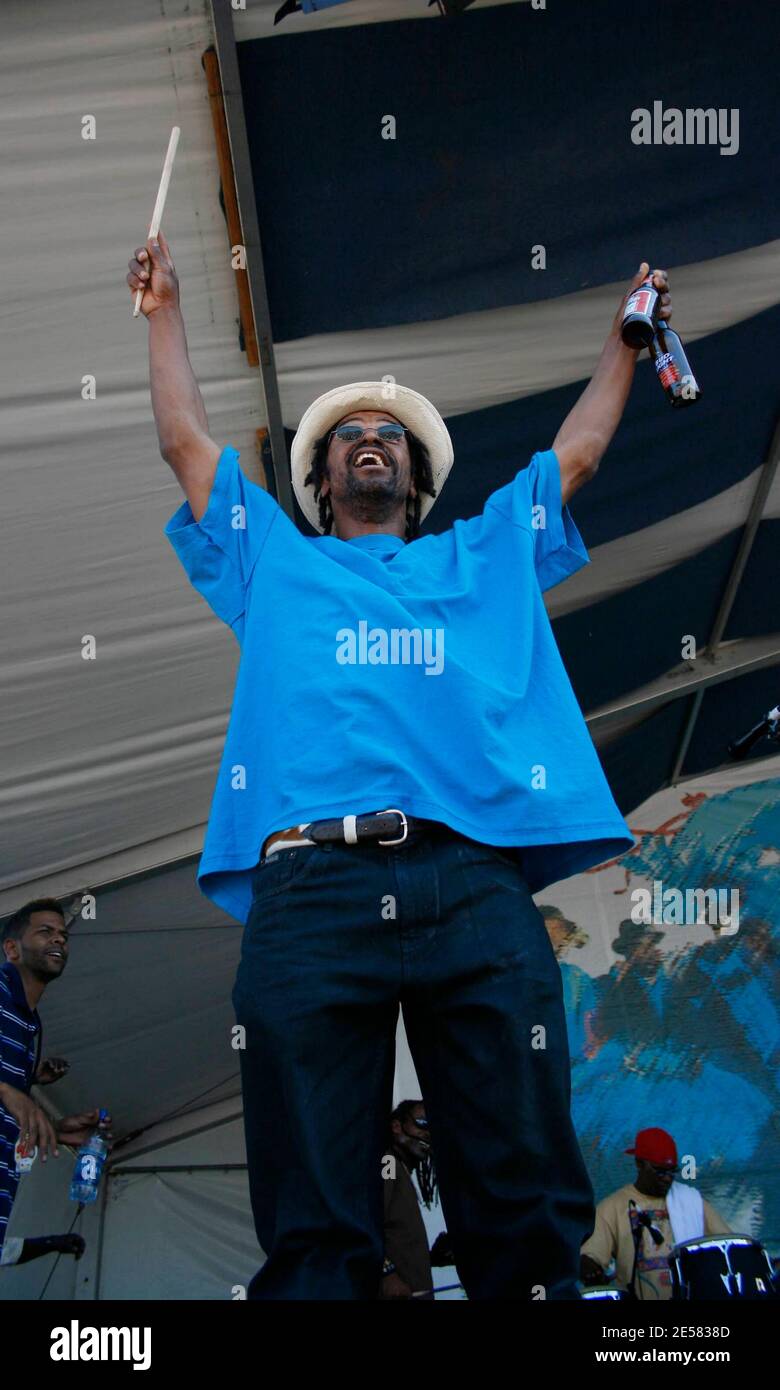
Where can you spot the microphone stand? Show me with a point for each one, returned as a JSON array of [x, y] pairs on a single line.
[[643, 1224], [636, 1231], [768, 727]]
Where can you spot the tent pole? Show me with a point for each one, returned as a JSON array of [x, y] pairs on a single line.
[[167, 1140], [101, 1236], [225, 44], [130, 1171], [765, 480], [757, 506], [232, 216], [91, 1227], [740, 658]]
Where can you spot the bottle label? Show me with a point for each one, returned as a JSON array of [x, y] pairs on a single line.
[[666, 368], [88, 1168], [641, 302], [25, 1156]]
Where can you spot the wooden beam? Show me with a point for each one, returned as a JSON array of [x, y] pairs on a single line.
[[235, 232], [227, 54]]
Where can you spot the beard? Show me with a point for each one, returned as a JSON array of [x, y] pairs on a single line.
[[373, 499], [42, 967]]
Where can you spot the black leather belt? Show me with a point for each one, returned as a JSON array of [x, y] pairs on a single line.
[[385, 827], [391, 827]]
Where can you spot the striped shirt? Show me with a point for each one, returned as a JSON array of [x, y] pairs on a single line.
[[20, 1040]]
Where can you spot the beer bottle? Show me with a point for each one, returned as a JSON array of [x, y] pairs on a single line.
[[641, 315], [672, 367]]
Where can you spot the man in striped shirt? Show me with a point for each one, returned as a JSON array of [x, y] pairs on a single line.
[[35, 946]]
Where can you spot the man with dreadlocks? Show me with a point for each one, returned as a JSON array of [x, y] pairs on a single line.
[[406, 764], [407, 1265], [366, 492]]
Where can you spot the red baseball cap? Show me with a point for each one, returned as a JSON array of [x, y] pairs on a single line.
[[656, 1146]]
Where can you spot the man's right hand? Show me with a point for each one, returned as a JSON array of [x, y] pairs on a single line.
[[35, 1127], [179, 412], [152, 270]]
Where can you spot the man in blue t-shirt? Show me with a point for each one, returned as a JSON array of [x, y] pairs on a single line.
[[406, 763]]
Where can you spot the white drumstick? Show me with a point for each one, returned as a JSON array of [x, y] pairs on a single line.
[[162, 193]]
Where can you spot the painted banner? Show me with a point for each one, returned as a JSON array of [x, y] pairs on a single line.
[[670, 973]]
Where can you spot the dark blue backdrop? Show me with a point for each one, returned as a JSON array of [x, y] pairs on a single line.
[[513, 127]]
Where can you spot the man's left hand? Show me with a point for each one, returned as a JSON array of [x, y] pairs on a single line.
[[53, 1069], [77, 1129], [660, 282]]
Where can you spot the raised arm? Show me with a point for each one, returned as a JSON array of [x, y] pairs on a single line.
[[179, 412], [588, 428]]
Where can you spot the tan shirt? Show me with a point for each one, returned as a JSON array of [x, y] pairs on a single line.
[[612, 1239]]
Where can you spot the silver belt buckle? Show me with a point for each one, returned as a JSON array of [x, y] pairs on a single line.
[[394, 811]]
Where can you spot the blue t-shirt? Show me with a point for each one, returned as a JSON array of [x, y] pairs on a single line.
[[378, 674]]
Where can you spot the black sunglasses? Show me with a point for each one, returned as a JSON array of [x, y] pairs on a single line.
[[350, 434]]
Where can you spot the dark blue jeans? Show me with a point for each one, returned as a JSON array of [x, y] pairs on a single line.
[[337, 936]]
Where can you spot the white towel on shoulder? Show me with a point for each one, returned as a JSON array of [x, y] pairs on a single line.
[[686, 1212]]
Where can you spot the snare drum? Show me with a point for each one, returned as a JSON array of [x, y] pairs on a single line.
[[720, 1267]]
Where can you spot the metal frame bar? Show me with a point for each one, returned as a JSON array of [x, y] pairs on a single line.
[[757, 506], [164, 1143], [749, 654], [210, 63], [687, 735], [91, 1225], [181, 1168], [101, 1242], [225, 44]]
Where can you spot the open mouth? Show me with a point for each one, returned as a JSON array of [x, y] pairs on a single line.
[[370, 458], [56, 955]]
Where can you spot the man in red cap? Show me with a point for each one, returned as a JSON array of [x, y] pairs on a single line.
[[655, 1211]]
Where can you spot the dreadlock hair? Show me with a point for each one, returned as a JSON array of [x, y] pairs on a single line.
[[16, 925], [422, 477], [426, 1166]]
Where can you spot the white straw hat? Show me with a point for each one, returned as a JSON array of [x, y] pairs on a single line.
[[412, 409]]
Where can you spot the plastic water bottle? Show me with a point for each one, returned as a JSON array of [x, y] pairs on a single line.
[[90, 1162]]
